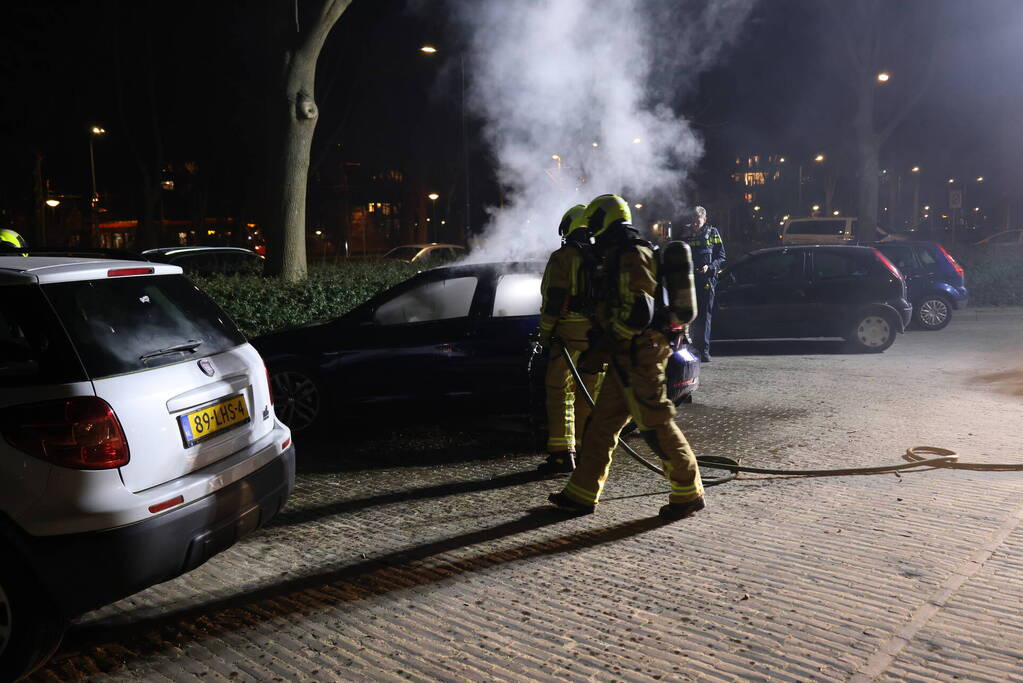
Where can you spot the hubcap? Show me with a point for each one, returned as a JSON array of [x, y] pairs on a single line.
[[5, 620], [933, 312], [296, 399], [873, 331]]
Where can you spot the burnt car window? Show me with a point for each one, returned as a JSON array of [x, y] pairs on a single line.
[[34, 349], [776, 267], [438, 300], [829, 265], [517, 294], [122, 325]]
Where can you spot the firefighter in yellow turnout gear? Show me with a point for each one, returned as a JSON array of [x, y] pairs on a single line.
[[565, 321], [634, 344]]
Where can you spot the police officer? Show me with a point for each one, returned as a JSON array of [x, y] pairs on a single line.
[[636, 353], [708, 257], [565, 322]]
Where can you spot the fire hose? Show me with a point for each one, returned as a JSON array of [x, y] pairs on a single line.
[[916, 457]]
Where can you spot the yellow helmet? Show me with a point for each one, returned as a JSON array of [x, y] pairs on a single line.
[[572, 220], [605, 211], [12, 238]]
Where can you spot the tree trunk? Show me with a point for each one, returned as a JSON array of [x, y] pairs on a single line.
[[296, 117]]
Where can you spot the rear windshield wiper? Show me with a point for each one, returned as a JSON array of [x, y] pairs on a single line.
[[190, 345]]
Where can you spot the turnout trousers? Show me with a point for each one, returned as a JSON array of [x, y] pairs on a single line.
[[635, 387], [567, 409]]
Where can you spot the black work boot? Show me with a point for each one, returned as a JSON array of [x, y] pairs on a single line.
[[561, 462], [568, 505], [672, 512]]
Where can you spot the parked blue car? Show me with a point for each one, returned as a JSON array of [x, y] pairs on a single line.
[[454, 338], [935, 282]]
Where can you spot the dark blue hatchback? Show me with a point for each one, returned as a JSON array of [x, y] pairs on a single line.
[[935, 283], [452, 338]]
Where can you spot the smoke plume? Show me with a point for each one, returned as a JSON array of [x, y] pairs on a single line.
[[578, 98]]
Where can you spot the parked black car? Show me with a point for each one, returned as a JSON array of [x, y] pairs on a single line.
[[850, 292], [451, 338], [935, 282], [200, 260]]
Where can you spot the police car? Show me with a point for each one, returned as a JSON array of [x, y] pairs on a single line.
[[138, 439]]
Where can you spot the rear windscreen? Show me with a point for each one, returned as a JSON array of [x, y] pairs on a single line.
[[816, 228], [33, 348], [122, 325]]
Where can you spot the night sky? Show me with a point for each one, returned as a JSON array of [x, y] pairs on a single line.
[[202, 68]]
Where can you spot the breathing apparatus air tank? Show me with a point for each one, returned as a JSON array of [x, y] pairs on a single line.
[[677, 281]]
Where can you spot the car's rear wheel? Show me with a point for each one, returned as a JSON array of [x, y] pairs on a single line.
[[872, 332], [299, 400], [932, 313], [30, 629]]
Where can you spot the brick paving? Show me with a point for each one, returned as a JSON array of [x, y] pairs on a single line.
[[427, 553]]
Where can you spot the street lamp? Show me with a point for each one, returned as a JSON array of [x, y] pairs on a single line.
[[915, 169], [94, 132], [433, 197], [819, 158], [980, 179], [53, 203], [431, 50], [883, 77]]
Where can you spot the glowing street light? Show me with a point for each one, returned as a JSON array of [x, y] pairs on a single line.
[[980, 179], [638, 206], [816, 207], [756, 208], [595, 144], [835, 212], [951, 181], [433, 196], [636, 141], [781, 160], [428, 49], [53, 203], [883, 77], [927, 208], [819, 158], [915, 169]]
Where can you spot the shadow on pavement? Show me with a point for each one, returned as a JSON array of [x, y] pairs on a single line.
[[395, 571], [376, 444], [291, 517], [779, 347]]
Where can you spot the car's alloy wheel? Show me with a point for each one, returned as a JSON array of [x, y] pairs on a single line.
[[297, 399], [874, 332], [933, 314], [6, 627]]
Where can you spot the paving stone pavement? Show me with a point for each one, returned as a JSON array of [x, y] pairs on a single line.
[[426, 553]]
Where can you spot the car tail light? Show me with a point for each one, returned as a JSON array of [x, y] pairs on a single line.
[[122, 272], [888, 264], [959, 268], [269, 387], [81, 432]]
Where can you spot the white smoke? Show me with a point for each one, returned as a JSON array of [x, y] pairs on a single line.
[[576, 98]]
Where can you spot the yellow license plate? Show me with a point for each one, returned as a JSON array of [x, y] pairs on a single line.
[[203, 423]]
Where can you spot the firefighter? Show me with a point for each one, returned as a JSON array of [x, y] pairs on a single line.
[[636, 351], [11, 239], [708, 257], [565, 322]]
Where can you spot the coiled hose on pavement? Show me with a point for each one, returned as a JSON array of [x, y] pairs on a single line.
[[916, 457]]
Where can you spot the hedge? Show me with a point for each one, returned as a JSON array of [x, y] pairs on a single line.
[[994, 274], [260, 305]]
